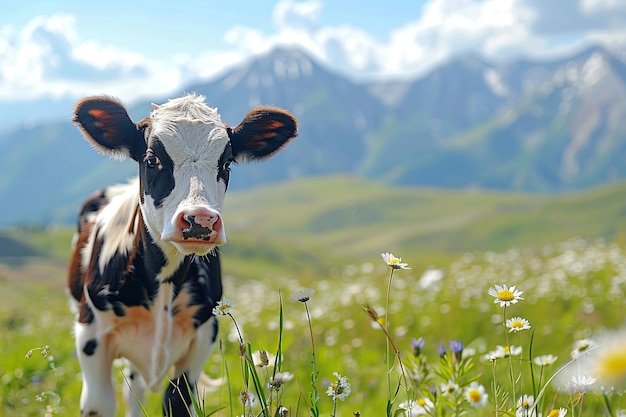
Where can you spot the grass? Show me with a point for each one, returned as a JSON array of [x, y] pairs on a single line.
[[572, 290]]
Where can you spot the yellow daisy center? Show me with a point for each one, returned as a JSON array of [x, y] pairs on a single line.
[[506, 295], [517, 324], [394, 261], [475, 395], [554, 413], [612, 364], [421, 402]]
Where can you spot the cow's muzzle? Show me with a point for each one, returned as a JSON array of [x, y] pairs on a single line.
[[197, 226]]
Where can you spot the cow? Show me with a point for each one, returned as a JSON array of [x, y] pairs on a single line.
[[144, 274]]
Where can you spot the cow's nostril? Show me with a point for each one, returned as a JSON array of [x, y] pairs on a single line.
[[197, 224]]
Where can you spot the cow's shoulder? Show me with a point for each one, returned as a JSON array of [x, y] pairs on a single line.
[[106, 243]]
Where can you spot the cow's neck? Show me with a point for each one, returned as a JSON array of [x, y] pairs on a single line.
[[163, 261]]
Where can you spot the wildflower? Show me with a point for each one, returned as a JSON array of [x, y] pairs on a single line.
[[421, 406], [340, 388], [417, 345], [248, 399], [504, 295], [456, 347], [545, 360], [262, 358], [303, 295], [280, 378], [524, 404], [581, 383], [448, 388], [517, 324], [441, 350], [283, 411], [608, 363], [558, 413], [476, 395], [223, 307], [503, 352], [393, 262], [581, 346]]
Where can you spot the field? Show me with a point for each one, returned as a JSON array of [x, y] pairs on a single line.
[[566, 253]]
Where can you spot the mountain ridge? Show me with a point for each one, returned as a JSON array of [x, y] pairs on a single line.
[[537, 126]]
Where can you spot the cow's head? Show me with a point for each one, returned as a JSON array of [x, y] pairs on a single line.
[[184, 151]]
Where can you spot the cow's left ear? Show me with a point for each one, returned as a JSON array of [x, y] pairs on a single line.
[[263, 132], [107, 126]]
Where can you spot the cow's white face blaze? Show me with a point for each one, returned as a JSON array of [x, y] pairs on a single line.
[[184, 151], [184, 175]]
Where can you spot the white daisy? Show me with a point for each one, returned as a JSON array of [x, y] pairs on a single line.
[[393, 262], [517, 324], [340, 388], [504, 295], [545, 360], [581, 346], [561, 412], [476, 395], [223, 307]]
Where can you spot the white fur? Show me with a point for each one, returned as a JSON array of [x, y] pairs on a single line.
[[194, 137]]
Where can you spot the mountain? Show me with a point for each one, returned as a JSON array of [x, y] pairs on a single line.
[[524, 125], [533, 126]]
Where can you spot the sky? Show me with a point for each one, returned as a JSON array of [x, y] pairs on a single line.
[[132, 49]]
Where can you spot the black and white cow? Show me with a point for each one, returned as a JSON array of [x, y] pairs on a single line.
[[145, 271]]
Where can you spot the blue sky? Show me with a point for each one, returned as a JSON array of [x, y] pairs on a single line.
[[70, 48]]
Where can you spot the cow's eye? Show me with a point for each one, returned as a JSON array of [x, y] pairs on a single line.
[[226, 166], [152, 161]]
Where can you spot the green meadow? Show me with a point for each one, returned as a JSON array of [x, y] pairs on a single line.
[[566, 253]]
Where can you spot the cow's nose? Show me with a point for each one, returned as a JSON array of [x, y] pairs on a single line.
[[198, 223]]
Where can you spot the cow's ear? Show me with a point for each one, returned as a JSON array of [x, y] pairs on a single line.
[[107, 126], [263, 132]]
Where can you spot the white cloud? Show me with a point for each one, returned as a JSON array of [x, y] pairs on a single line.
[[288, 14], [48, 58], [496, 29]]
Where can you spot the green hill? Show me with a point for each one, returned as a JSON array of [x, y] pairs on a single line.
[[348, 218], [319, 222]]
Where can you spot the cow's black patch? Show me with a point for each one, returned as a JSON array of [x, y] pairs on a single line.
[[157, 181], [85, 314], [177, 398], [196, 230], [223, 168], [126, 281], [205, 288], [90, 347], [215, 330]]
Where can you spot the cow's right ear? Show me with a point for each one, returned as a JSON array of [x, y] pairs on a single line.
[[107, 126]]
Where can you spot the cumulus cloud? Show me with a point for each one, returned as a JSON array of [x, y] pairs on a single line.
[[496, 29], [47, 57], [289, 14]]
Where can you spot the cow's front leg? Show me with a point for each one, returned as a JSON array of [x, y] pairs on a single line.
[[97, 398], [177, 401], [134, 391]]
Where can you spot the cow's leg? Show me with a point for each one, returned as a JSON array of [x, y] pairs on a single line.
[[134, 391], [97, 398], [177, 401]]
